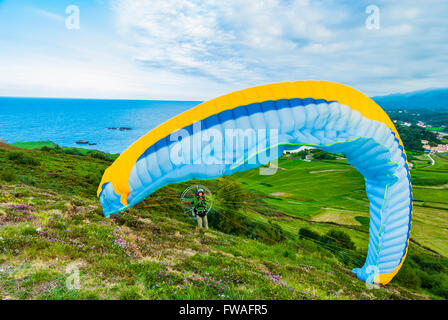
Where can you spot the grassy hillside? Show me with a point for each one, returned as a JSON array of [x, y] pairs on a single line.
[[48, 145], [35, 144], [334, 192], [51, 222]]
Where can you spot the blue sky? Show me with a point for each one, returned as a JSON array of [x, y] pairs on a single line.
[[196, 50]]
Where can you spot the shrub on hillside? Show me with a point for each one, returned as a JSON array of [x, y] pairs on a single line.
[[230, 194], [440, 289], [46, 149], [55, 149], [27, 180], [364, 221], [7, 176], [322, 155], [229, 200], [408, 277], [93, 179], [427, 265], [229, 222], [229, 219], [238, 224], [425, 271], [426, 281], [270, 232], [98, 155], [21, 157], [337, 239], [127, 219], [305, 233], [73, 152]]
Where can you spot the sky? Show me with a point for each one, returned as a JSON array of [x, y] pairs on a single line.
[[197, 50]]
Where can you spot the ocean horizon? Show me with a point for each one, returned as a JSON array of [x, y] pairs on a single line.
[[98, 121]]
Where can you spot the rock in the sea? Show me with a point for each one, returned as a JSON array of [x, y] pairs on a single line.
[[121, 128], [82, 142]]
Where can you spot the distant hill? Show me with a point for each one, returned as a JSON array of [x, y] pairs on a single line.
[[432, 99]]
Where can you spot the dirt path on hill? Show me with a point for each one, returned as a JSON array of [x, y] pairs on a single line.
[[431, 158], [328, 170]]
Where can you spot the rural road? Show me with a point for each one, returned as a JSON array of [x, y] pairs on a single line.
[[432, 160]]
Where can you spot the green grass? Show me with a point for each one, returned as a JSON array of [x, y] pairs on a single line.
[[437, 129], [430, 183], [154, 251], [430, 228], [58, 172], [303, 197], [38, 145], [34, 144]]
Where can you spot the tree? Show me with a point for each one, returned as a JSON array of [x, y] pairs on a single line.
[[322, 155], [229, 200], [337, 240], [412, 137]]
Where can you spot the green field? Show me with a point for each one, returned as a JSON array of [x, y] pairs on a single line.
[[34, 144], [37, 145], [334, 192], [50, 219], [437, 129], [293, 189]]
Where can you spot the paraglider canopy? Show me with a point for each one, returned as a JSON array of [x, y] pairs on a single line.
[[246, 129]]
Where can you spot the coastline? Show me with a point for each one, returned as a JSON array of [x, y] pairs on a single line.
[[51, 146]]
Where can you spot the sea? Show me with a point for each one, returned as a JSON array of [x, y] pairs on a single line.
[[66, 121]]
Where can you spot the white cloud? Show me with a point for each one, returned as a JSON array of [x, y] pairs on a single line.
[[110, 79], [252, 42], [49, 15], [220, 39], [198, 49]]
